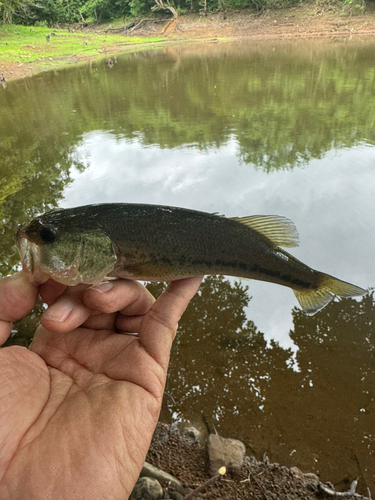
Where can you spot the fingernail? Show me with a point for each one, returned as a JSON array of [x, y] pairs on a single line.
[[59, 312], [103, 287], [16, 276]]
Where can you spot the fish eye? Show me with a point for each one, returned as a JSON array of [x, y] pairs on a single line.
[[47, 235]]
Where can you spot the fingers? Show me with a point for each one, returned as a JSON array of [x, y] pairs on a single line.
[[68, 311], [129, 297], [17, 298], [92, 306], [51, 291], [97, 307], [159, 326]]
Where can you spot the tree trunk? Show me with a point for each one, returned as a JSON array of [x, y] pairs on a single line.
[[160, 4]]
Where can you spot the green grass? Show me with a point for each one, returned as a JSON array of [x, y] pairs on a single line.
[[20, 44]]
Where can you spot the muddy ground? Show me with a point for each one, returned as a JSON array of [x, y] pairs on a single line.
[[256, 480], [303, 21]]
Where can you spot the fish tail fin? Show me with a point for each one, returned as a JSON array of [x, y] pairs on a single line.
[[329, 287]]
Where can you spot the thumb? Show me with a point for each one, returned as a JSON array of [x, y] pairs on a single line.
[[17, 298], [159, 325]]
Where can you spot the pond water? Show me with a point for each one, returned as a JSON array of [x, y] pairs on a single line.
[[237, 128]]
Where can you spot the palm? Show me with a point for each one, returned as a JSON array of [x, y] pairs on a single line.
[[81, 405]]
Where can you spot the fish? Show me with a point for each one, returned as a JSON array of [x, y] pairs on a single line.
[[91, 243]]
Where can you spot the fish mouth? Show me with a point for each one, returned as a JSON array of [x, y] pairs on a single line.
[[31, 260]]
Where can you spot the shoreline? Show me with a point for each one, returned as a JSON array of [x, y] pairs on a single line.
[[185, 463], [301, 22]]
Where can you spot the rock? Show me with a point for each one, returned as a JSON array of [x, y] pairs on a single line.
[[161, 433], [312, 478], [228, 452], [173, 429], [164, 478], [190, 435], [147, 488], [296, 472]]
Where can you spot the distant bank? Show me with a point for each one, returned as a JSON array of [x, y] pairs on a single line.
[[26, 50]]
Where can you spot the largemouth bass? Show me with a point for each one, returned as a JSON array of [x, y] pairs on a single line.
[[159, 243]]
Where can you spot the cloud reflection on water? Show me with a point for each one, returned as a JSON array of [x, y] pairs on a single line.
[[325, 200]]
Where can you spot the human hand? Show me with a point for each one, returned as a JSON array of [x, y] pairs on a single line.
[[78, 409]]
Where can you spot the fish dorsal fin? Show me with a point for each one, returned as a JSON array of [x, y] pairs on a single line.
[[279, 230]]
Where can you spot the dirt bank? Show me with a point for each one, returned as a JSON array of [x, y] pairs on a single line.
[[256, 480], [303, 21]]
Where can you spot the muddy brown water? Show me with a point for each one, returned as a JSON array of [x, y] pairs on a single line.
[[237, 128]]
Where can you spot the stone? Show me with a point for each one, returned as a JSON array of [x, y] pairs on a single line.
[[147, 488], [161, 433], [296, 472], [190, 435], [311, 477], [164, 478], [228, 452], [174, 430]]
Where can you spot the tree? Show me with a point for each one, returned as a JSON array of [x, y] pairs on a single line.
[[165, 5], [10, 7]]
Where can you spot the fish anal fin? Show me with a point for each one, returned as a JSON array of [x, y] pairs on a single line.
[[313, 301], [280, 231]]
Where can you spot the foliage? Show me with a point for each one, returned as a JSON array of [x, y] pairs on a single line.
[[38, 12], [33, 12], [102, 10], [8, 8], [57, 11], [354, 6]]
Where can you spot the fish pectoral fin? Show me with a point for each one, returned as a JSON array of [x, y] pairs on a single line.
[[280, 231], [313, 301]]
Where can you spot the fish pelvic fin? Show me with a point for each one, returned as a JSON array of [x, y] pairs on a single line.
[[313, 301], [280, 231]]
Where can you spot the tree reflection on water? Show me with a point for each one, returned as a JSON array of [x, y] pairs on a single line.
[[314, 410]]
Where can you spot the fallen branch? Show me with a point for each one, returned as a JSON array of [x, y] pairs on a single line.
[[134, 25], [203, 486], [140, 22], [345, 494]]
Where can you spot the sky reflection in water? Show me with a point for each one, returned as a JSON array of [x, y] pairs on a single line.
[[328, 208]]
